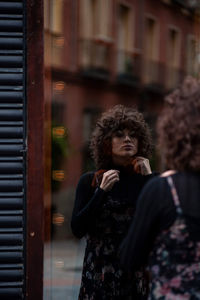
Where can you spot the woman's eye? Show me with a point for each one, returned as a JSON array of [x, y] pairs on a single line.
[[132, 134], [119, 133]]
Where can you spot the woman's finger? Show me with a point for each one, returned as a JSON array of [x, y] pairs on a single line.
[[111, 183], [142, 166], [109, 179], [110, 174]]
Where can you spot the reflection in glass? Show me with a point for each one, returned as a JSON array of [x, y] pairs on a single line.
[[99, 53]]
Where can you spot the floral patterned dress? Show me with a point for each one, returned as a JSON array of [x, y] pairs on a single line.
[[175, 260], [102, 277]]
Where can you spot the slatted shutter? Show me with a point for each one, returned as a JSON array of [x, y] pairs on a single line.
[[12, 149]]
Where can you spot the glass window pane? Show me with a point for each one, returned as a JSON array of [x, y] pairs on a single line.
[[99, 53]]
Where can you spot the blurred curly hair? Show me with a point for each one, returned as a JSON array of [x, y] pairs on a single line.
[[179, 127], [118, 118]]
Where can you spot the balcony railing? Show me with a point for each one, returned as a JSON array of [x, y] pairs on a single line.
[[153, 73], [95, 61], [161, 76], [94, 57], [128, 66], [174, 77]]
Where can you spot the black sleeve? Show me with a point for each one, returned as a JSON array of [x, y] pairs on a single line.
[[148, 177], [153, 213], [151, 176], [87, 202]]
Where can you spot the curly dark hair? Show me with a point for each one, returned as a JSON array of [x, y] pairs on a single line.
[[179, 127], [118, 118]]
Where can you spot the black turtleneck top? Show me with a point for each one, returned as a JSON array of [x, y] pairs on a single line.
[[89, 200]]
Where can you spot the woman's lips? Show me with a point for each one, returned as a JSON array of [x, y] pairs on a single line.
[[128, 147]]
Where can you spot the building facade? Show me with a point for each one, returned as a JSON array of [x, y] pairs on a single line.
[[108, 52]]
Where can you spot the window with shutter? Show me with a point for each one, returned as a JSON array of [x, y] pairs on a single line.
[[12, 150]]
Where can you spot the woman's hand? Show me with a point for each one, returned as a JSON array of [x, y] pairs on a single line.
[[109, 179], [141, 165]]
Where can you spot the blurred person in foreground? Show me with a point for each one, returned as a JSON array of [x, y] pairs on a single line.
[[106, 200], [166, 227]]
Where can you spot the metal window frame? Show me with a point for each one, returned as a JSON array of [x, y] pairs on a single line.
[[35, 154]]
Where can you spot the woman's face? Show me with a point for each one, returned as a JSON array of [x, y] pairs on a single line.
[[124, 145]]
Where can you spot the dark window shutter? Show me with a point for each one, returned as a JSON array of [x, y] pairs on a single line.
[[12, 150]]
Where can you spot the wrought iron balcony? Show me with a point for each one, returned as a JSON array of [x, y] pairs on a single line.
[[174, 77], [94, 58], [153, 74], [128, 67]]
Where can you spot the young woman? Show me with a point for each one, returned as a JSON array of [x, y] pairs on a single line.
[[106, 200], [166, 227]]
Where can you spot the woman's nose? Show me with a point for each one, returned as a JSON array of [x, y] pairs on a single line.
[[127, 137]]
